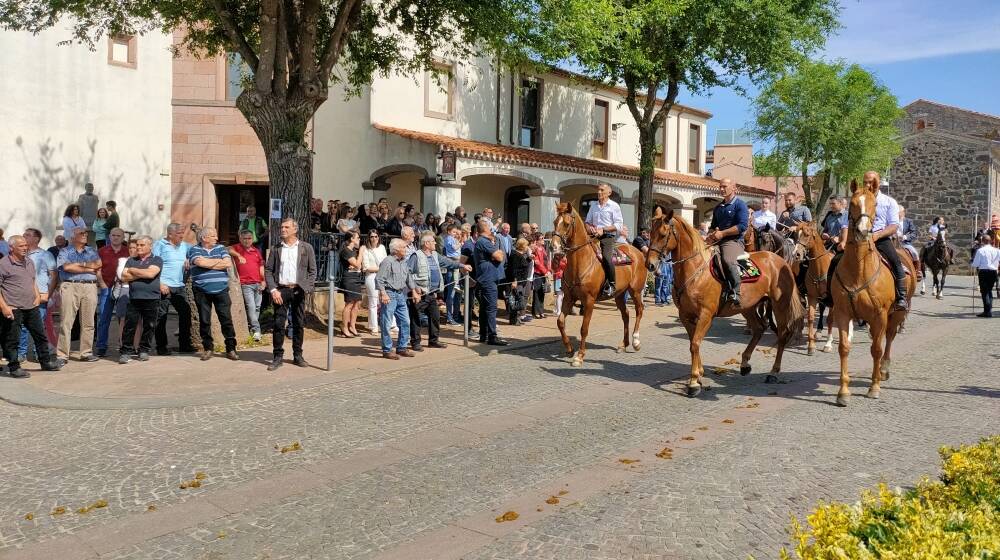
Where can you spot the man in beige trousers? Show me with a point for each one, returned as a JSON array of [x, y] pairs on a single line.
[[78, 266]]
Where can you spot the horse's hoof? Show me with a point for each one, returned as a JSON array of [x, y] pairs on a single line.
[[842, 400], [636, 346], [693, 390], [885, 375], [577, 362], [872, 393], [810, 351], [771, 378], [619, 350], [745, 370]]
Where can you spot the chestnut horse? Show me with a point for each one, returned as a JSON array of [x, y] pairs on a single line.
[[584, 277], [810, 248], [698, 295], [863, 288]]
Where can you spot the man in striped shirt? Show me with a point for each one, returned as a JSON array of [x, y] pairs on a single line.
[[210, 263]]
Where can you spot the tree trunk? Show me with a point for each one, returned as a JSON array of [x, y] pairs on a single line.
[[806, 188], [644, 202], [280, 124], [824, 194]]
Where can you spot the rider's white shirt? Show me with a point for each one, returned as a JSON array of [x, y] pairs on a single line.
[[987, 258], [886, 212], [763, 217]]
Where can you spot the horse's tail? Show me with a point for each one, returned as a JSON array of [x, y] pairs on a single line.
[[791, 329]]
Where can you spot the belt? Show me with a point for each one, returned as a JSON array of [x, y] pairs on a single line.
[[79, 281], [288, 286]]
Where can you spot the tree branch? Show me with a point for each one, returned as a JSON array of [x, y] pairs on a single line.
[[281, 71], [305, 45], [264, 76], [235, 35], [630, 99], [348, 14]]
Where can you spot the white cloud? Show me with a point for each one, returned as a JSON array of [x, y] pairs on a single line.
[[883, 31]]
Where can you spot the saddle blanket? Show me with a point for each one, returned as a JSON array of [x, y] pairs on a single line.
[[618, 257], [749, 271]]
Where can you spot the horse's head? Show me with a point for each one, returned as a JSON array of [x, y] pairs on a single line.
[[662, 239], [564, 225], [807, 239], [862, 208]]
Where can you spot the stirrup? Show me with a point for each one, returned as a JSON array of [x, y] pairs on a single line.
[[900, 305]]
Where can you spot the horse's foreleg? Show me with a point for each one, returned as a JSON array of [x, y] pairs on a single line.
[[876, 330], [811, 318], [896, 321], [567, 306], [639, 308], [844, 393], [620, 302], [588, 313], [757, 326], [944, 275], [697, 334]]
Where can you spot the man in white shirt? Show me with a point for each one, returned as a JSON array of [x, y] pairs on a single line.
[[765, 216], [290, 274], [986, 262], [604, 221]]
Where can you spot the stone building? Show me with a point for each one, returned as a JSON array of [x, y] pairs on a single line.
[[950, 166]]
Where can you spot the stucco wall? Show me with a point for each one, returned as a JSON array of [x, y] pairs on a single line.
[[70, 117]]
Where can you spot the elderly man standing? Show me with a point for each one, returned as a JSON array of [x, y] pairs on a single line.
[[210, 264], [489, 263], [19, 300], [605, 221], [173, 251], [78, 267], [45, 280], [290, 274], [110, 255], [427, 267], [142, 272], [394, 282]]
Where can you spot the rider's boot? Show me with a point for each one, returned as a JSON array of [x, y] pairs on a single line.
[[609, 275], [901, 293], [734, 284]]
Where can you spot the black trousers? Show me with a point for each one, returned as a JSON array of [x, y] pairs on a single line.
[[487, 295], [175, 298], [987, 280], [205, 302], [293, 308], [538, 296], [428, 304], [888, 250], [10, 336], [607, 251], [145, 311]]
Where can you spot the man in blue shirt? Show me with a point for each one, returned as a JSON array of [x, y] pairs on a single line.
[[489, 271], [78, 267], [173, 251], [210, 263], [45, 278], [729, 223], [452, 250]]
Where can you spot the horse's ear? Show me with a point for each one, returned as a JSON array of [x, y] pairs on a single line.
[[766, 228], [854, 185]]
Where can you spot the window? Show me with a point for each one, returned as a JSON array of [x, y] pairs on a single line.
[[439, 91], [236, 70], [531, 113], [921, 124], [660, 159], [122, 51], [600, 124], [694, 145]]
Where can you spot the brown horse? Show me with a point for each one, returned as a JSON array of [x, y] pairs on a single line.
[[583, 278], [938, 256], [698, 295], [810, 248], [863, 288]]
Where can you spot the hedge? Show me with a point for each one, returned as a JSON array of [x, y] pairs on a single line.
[[956, 517]]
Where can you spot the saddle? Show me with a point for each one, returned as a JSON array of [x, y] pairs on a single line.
[[618, 257], [749, 271], [888, 265]]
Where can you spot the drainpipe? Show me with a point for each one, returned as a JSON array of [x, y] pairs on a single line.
[[511, 108], [498, 105]]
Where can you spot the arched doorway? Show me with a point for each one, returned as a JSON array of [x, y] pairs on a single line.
[[703, 208], [516, 206]]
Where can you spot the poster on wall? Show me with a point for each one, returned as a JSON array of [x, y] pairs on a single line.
[[275, 208], [448, 165]]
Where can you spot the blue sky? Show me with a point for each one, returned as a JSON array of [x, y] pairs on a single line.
[[943, 50]]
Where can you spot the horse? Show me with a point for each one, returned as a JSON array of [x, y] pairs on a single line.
[[863, 288], [938, 257], [810, 248], [770, 239], [584, 277], [698, 295]]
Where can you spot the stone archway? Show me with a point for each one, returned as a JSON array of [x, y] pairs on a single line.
[[399, 182]]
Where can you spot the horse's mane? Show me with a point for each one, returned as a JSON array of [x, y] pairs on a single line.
[[692, 233]]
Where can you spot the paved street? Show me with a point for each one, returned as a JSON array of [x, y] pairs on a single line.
[[419, 463]]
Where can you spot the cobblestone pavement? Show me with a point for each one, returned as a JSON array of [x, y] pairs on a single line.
[[417, 464]]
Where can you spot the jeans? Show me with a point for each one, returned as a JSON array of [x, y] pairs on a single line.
[[373, 313], [10, 336], [252, 294], [146, 311], [175, 298], [451, 305], [292, 310], [105, 309], [665, 282], [395, 309], [487, 310], [221, 302], [22, 347]]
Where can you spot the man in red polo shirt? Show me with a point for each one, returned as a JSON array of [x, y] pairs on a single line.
[[250, 267], [110, 255]]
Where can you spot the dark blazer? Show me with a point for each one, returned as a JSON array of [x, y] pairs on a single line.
[[305, 276]]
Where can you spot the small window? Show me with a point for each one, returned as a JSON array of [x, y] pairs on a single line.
[[122, 51], [439, 91], [531, 113], [600, 125], [921, 124], [236, 71], [694, 144]]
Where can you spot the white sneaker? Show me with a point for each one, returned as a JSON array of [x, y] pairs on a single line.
[[256, 337]]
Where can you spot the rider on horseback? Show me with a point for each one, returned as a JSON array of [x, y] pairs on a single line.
[[729, 222], [605, 221]]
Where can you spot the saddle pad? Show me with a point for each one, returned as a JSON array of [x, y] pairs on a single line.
[[749, 271], [620, 258]]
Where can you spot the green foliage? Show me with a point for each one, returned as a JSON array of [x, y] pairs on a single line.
[[957, 517], [835, 116]]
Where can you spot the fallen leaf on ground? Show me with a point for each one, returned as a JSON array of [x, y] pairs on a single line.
[[731, 362], [749, 405], [563, 492], [722, 371], [29, 516], [628, 461], [552, 500], [666, 453], [191, 484], [150, 508], [293, 447], [688, 438], [200, 476], [729, 421], [508, 516], [221, 535], [703, 428], [59, 510], [539, 509]]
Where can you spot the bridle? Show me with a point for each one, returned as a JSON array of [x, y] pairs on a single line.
[[701, 268], [852, 293], [567, 249]]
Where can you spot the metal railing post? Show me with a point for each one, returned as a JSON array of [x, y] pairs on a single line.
[[331, 310], [467, 311]]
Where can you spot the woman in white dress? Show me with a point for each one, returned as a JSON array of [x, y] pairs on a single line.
[[372, 253]]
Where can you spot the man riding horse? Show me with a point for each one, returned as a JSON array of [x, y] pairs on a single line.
[[729, 223], [885, 223], [907, 234], [604, 221], [788, 224]]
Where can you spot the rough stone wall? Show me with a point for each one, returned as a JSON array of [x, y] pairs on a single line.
[[950, 119], [942, 176]]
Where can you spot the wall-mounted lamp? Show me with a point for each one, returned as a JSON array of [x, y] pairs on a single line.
[[617, 125]]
